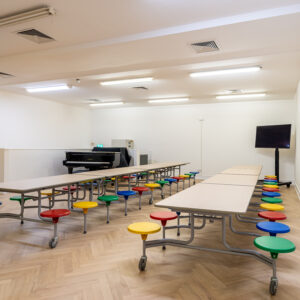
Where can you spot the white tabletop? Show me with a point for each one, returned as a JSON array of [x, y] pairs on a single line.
[[232, 179], [35, 184], [112, 172], [215, 198], [242, 171]]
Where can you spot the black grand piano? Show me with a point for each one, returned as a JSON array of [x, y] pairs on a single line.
[[97, 159]]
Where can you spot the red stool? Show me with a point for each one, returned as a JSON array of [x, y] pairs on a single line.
[[272, 216], [127, 177], [54, 214], [270, 189], [163, 216], [73, 188], [140, 190], [177, 181]]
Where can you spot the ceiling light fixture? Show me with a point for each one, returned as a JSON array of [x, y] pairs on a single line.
[[225, 97], [48, 88], [226, 71], [169, 100], [106, 103], [26, 15], [124, 81]]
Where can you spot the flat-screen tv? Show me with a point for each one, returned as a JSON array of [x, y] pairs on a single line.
[[273, 136]]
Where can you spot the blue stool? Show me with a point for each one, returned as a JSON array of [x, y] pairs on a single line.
[[126, 195], [271, 194], [170, 180], [194, 173], [272, 227], [270, 180]]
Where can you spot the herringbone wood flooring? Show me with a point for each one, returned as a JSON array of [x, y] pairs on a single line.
[[103, 263]]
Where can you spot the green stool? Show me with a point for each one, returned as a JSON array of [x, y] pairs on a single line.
[[162, 183], [190, 175], [106, 181], [274, 245], [271, 200], [108, 199], [19, 199]]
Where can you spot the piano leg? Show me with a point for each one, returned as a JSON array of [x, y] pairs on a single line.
[[70, 170]]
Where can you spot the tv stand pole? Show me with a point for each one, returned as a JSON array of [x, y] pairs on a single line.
[[288, 184]]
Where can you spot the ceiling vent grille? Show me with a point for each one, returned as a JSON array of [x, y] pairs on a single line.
[[203, 47], [35, 36], [5, 75], [140, 88]]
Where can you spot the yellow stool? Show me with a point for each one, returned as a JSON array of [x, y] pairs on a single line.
[[144, 228], [50, 193], [273, 186], [152, 186], [271, 176], [85, 205], [272, 207], [184, 177], [152, 172]]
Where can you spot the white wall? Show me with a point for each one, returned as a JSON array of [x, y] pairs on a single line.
[[297, 161], [27, 122], [174, 133], [36, 132]]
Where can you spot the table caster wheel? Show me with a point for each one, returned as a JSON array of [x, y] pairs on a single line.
[[142, 263], [53, 243], [273, 285]]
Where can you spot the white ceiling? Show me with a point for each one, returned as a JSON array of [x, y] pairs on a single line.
[[100, 40]]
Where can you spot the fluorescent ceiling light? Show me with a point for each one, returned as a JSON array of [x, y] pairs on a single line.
[[134, 80], [224, 97], [26, 15], [169, 100], [106, 103], [226, 71], [48, 88]]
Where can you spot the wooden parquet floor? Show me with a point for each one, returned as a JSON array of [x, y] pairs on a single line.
[[103, 264]]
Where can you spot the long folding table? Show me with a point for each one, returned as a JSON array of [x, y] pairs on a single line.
[[219, 197], [36, 185]]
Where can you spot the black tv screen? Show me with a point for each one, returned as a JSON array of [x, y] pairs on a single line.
[[273, 136]]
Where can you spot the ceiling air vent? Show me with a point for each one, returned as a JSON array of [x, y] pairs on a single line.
[[35, 36], [203, 47], [5, 75], [140, 88]]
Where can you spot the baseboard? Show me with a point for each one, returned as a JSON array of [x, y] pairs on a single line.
[[297, 190]]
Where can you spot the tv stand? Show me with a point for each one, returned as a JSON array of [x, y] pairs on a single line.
[[288, 183]]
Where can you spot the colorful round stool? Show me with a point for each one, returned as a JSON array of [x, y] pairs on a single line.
[[85, 205], [107, 199], [163, 216], [272, 207], [54, 214], [162, 183], [272, 228], [140, 190], [152, 186], [143, 228], [272, 216], [126, 195]]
